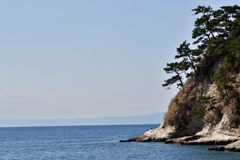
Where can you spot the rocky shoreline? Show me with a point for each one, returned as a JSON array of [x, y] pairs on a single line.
[[232, 144], [206, 110], [210, 135], [223, 129], [197, 132]]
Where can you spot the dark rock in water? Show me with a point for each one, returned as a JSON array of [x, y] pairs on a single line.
[[233, 147], [183, 140], [143, 138], [221, 148], [211, 148], [210, 142]]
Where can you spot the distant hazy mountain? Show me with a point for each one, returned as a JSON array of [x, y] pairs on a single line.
[[144, 119]]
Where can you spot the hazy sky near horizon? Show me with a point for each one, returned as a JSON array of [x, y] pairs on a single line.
[[87, 59]]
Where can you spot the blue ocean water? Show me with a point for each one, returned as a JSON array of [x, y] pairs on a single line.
[[94, 142]]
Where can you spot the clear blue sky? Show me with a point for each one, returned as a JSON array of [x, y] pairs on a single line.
[[90, 58]]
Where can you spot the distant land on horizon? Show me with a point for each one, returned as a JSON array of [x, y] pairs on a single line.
[[156, 118]]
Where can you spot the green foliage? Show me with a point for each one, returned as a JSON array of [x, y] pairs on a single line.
[[236, 112], [198, 112], [217, 36], [189, 58], [204, 104], [223, 79], [188, 55], [176, 101], [177, 68], [214, 30], [205, 26]]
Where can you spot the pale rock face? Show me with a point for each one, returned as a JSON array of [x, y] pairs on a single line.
[[205, 130], [233, 145], [160, 132], [191, 128], [195, 132], [221, 132], [211, 91], [223, 127], [213, 132]]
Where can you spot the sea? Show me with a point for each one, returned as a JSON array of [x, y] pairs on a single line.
[[95, 142]]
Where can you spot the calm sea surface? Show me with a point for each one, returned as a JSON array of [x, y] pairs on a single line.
[[94, 142]]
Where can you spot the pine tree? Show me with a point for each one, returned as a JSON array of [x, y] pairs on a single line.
[[178, 68], [185, 52], [204, 29], [204, 104]]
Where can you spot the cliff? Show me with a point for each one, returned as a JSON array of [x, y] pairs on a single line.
[[180, 127], [206, 110]]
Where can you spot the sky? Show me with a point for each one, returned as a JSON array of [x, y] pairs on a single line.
[[89, 58]]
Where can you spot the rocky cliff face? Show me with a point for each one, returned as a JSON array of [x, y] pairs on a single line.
[[212, 93], [180, 127]]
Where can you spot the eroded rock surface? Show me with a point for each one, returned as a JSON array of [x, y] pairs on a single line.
[[235, 147], [159, 134], [195, 132]]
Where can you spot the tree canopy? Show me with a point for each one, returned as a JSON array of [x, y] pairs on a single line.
[[216, 33], [216, 36]]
